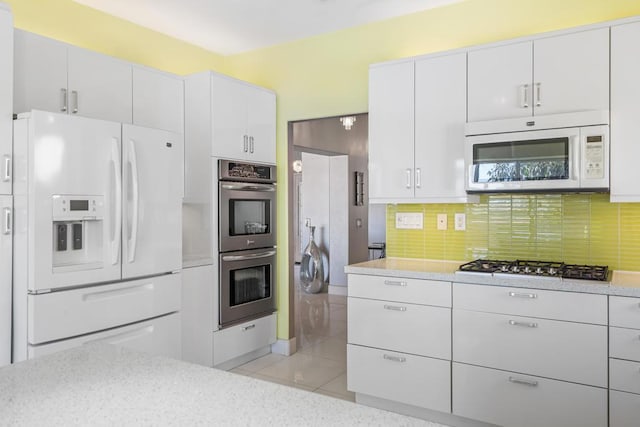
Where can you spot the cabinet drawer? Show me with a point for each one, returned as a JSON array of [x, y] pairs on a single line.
[[624, 375], [244, 338], [413, 291], [413, 380], [65, 314], [624, 409], [515, 400], [624, 312], [574, 307], [159, 336], [561, 350], [624, 343], [408, 328]]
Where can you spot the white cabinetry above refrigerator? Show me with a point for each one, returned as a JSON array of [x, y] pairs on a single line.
[[97, 203]]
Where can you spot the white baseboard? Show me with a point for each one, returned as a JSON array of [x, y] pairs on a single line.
[[337, 290], [284, 347]]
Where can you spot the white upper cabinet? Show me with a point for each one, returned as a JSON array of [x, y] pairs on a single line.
[[391, 118], [6, 107], [243, 120], [53, 76], [625, 111], [557, 74], [158, 100], [417, 112]]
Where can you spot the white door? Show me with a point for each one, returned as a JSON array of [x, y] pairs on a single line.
[[40, 73], [6, 235], [571, 72], [99, 86], [152, 201], [229, 119], [500, 82], [158, 100], [72, 158], [441, 100], [391, 118], [261, 124], [6, 103]]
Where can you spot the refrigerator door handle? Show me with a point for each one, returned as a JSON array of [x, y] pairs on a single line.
[[133, 238], [115, 241]]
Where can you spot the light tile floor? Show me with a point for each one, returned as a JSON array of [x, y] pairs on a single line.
[[320, 364]]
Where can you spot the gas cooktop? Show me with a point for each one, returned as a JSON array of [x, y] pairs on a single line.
[[538, 269]]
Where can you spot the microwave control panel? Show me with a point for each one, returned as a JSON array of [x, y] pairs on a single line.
[[594, 161], [77, 208]]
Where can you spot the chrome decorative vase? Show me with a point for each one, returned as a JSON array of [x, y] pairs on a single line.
[[311, 267]]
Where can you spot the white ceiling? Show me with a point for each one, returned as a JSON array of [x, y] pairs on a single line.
[[234, 26]]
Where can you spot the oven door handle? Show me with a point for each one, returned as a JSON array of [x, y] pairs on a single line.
[[249, 187], [247, 257]]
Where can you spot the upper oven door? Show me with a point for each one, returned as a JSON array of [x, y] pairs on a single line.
[[523, 161], [247, 215]]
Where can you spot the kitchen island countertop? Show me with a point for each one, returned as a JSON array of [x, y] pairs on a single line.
[[621, 283], [101, 384]]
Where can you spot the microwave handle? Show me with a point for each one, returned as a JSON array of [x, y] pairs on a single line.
[[575, 161], [248, 187]]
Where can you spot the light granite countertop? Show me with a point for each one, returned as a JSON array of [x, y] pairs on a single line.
[[101, 384], [622, 283]]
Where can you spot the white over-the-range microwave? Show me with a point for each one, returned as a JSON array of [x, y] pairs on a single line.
[[563, 152]]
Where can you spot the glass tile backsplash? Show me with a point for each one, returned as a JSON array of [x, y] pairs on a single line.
[[572, 228]]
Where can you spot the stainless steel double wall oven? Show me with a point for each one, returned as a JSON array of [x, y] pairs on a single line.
[[247, 240]]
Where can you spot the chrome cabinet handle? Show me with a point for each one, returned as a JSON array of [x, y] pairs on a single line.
[[246, 328], [246, 143], [74, 99], [399, 359], [522, 295], [6, 177], [395, 283], [524, 324], [530, 383], [538, 96], [524, 96], [251, 144], [418, 178], [63, 100], [7, 221], [395, 307], [408, 172]]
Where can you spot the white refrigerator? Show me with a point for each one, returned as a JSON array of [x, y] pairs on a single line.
[[6, 200], [97, 240]]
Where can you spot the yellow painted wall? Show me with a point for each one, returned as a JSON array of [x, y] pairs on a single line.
[[319, 76]]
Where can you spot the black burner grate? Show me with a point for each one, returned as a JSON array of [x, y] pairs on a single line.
[[538, 268]]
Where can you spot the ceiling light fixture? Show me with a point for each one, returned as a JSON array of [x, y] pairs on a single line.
[[348, 121]]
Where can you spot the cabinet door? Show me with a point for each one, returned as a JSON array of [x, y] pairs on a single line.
[[440, 103], [158, 100], [40, 71], [571, 72], [99, 86], [6, 101], [625, 110], [624, 409], [500, 82], [391, 115], [6, 236], [229, 119], [261, 124]]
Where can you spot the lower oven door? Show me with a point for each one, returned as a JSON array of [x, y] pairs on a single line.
[[247, 285]]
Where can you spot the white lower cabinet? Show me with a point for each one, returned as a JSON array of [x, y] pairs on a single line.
[[244, 338], [624, 409], [413, 380], [159, 336], [516, 400]]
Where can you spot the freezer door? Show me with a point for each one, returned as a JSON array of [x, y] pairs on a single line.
[[71, 169], [6, 233], [152, 201]]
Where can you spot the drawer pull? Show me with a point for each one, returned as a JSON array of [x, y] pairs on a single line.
[[522, 295], [525, 324], [395, 358], [395, 283], [246, 328], [395, 308], [530, 383]]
